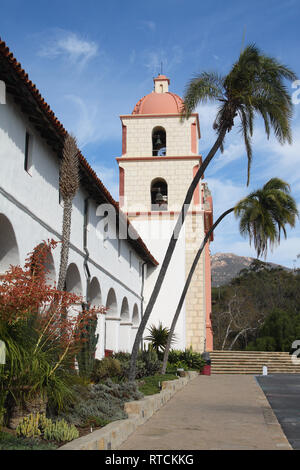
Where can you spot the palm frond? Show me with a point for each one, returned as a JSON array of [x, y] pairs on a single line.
[[264, 214]]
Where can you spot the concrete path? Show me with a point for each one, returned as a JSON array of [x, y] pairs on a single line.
[[212, 412]]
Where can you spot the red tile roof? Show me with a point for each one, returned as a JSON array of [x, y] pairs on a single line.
[[61, 131]]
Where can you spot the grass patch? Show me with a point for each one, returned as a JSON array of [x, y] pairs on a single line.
[[150, 385], [10, 442]]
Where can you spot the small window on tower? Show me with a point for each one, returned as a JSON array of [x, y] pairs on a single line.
[[159, 195], [159, 142]]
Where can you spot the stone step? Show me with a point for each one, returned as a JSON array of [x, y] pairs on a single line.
[[256, 368], [263, 363], [246, 353], [247, 372], [252, 362]]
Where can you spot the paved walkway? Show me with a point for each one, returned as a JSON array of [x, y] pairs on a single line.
[[283, 393], [212, 412]]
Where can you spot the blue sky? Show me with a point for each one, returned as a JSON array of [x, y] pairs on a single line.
[[93, 60]]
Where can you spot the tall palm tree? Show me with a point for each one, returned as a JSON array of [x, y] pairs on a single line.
[[254, 85], [68, 187], [263, 214]]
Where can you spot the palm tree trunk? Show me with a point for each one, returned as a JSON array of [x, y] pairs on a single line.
[[64, 254], [170, 250], [186, 287]]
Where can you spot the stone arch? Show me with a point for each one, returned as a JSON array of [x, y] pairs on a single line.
[[135, 315], [48, 262], [125, 328], [112, 323], [94, 293], [9, 251], [125, 310], [94, 297], [73, 280], [159, 194], [159, 141], [111, 303]]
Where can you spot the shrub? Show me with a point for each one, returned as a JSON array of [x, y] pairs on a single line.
[[106, 368], [40, 339], [147, 363], [10, 442], [152, 363], [60, 431], [102, 401], [38, 425], [158, 337], [187, 359]]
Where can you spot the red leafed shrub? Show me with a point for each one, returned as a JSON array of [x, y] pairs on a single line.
[[27, 291], [41, 326]]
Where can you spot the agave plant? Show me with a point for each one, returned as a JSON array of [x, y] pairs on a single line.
[[158, 337]]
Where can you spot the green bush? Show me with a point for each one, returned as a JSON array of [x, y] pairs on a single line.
[[151, 361], [11, 442], [147, 363], [102, 401], [187, 360], [106, 368]]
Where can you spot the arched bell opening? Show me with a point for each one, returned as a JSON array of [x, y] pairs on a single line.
[[159, 142], [159, 195]]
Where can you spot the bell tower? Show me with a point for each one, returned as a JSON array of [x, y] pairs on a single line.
[[159, 159]]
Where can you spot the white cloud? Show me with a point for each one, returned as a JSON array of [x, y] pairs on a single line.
[[69, 45]]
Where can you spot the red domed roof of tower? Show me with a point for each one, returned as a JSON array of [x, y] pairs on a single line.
[[159, 103]]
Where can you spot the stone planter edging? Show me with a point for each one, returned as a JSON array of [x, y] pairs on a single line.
[[110, 437]]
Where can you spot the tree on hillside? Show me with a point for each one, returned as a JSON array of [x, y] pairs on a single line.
[[68, 187], [263, 215], [266, 290], [254, 85]]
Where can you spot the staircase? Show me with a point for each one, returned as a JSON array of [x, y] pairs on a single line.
[[252, 362]]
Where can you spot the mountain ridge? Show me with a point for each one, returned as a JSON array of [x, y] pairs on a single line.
[[226, 266]]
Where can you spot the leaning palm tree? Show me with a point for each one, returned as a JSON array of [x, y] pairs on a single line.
[[263, 215], [68, 187], [254, 86]]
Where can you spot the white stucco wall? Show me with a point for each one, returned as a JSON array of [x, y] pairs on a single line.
[[31, 204], [156, 234]]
